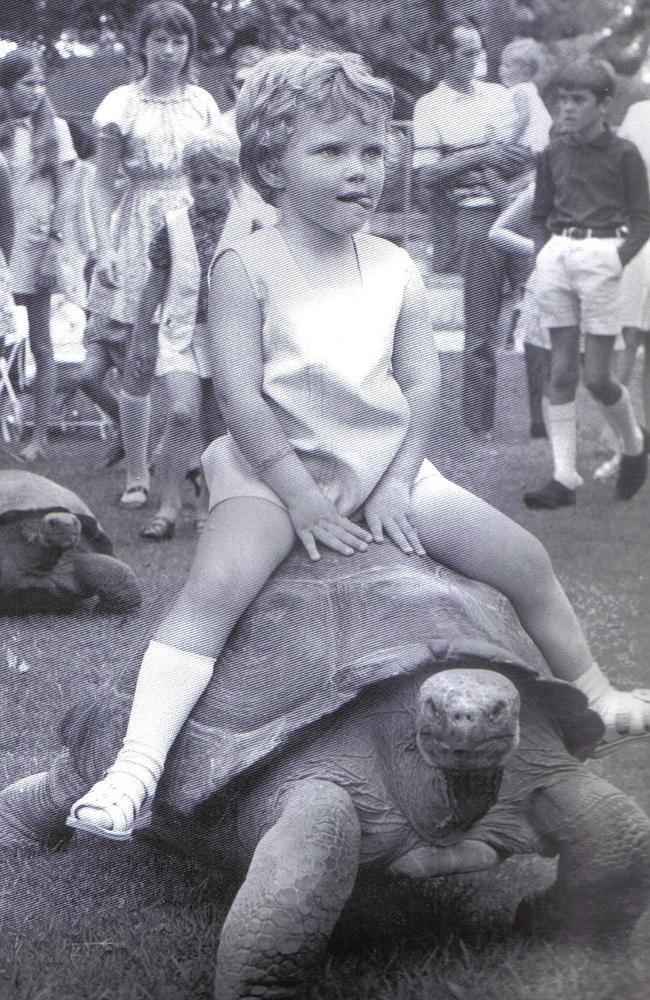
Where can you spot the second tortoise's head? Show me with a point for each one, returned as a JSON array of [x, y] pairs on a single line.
[[467, 719], [59, 530]]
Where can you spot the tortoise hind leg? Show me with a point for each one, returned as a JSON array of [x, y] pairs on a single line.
[[603, 877], [33, 810], [113, 581], [301, 876]]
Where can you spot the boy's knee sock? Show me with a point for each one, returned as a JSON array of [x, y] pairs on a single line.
[[561, 426], [135, 417], [620, 417]]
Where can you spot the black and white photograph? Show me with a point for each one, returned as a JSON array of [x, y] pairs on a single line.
[[324, 513]]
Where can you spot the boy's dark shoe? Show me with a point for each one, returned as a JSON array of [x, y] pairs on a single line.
[[633, 471], [538, 431], [550, 497]]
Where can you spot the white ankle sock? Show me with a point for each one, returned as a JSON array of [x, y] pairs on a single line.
[[170, 683], [135, 417], [561, 426], [625, 713], [620, 417]]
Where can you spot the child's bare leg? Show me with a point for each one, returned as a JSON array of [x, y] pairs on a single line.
[[182, 433], [469, 535], [135, 413], [96, 366], [632, 337], [40, 342], [242, 544], [645, 376]]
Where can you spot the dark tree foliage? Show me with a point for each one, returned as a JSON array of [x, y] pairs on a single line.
[[394, 35]]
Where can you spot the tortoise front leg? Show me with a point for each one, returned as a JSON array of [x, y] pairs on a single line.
[[301, 876], [33, 810], [113, 581], [603, 877]]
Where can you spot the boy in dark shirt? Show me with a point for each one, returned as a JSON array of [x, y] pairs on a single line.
[[592, 195]]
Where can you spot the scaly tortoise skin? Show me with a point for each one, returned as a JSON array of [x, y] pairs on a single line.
[[54, 554], [373, 712]]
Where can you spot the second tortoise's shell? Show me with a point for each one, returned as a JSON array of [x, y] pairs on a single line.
[[319, 634], [24, 494]]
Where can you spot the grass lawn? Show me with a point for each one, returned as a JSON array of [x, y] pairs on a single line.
[[127, 922]]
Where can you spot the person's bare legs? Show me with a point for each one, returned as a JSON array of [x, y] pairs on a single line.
[[40, 342], [180, 450], [96, 367], [244, 541], [472, 537], [632, 337]]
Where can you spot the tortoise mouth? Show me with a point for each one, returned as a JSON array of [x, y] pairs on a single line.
[[479, 755]]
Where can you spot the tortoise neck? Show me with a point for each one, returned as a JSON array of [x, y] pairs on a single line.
[[472, 793]]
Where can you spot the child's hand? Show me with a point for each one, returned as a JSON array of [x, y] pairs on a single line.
[[387, 511], [316, 519]]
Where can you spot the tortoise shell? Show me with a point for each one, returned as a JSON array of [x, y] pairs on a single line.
[[321, 633]]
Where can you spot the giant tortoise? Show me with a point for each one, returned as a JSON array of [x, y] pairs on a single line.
[[378, 711], [54, 554]]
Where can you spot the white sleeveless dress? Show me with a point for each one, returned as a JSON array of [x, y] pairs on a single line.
[[327, 371]]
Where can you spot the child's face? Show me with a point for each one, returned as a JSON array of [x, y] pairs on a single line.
[[210, 184], [166, 52], [332, 174], [27, 93], [578, 110], [513, 70]]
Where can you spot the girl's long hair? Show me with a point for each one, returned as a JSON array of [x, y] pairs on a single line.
[[171, 16], [45, 143]]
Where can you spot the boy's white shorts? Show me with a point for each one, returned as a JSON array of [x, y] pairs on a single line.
[[635, 291], [578, 283]]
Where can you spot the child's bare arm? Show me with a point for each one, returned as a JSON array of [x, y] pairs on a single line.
[[417, 371], [506, 230], [235, 346], [522, 110], [142, 354]]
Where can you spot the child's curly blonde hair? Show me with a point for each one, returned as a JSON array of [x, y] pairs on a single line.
[[280, 86]]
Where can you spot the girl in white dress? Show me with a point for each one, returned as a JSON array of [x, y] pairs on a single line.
[[39, 151], [143, 129], [327, 375]]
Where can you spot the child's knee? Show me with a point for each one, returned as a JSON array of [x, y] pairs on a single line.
[[603, 388], [564, 380], [217, 598], [531, 576]]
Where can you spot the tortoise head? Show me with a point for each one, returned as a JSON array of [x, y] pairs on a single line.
[[59, 530], [467, 719]]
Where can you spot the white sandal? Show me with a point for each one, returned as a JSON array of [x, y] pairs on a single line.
[[609, 745], [107, 796], [134, 497]]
